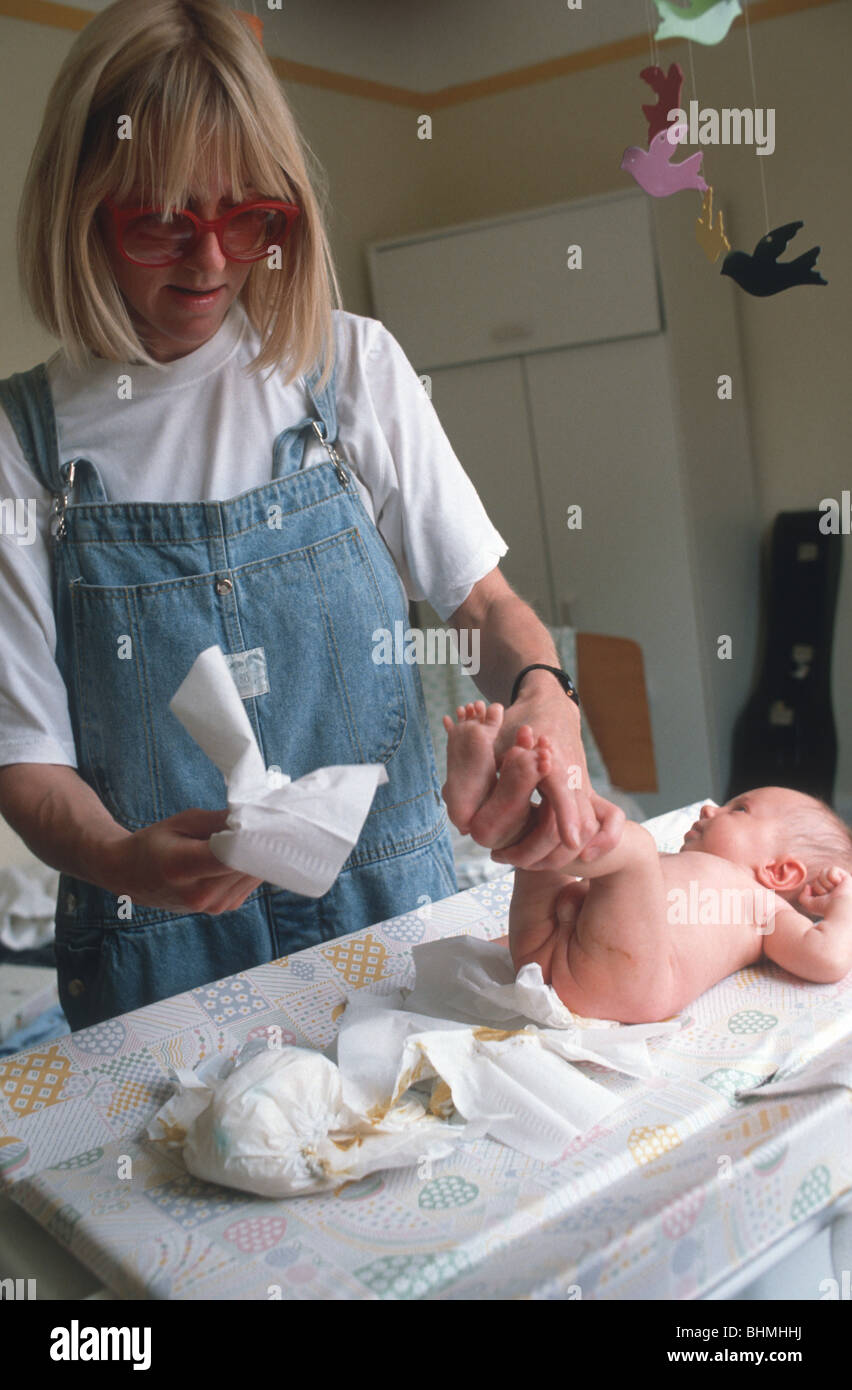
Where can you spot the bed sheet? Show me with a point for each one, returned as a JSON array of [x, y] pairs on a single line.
[[680, 1185]]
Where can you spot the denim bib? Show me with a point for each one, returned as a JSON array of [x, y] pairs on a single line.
[[291, 579]]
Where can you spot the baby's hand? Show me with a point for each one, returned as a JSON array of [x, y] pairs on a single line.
[[828, 886]]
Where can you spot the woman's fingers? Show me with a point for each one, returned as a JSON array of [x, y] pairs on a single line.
[[536, 844], [611, 820]]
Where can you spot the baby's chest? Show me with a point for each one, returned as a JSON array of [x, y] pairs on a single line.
[[704, 890]]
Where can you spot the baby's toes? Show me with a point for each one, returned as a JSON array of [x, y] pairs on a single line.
[[544, 761], [507, 810], [494, 716]]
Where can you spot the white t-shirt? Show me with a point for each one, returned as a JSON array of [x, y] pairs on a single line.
[[203, 431]]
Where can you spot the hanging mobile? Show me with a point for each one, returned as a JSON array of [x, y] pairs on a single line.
[[702, 21], [667, 86], [711, 237], [763, 274], [652, 168]]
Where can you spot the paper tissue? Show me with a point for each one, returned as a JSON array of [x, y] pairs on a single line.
[[296, 835], [462, 1055]]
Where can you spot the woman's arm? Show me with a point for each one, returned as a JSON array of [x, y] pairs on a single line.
[[60, 819], [511, 637], [169, 864]]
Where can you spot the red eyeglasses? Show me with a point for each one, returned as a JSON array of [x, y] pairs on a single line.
[[244, 233]]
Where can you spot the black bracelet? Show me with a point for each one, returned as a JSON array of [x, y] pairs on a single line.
[[562, 676]]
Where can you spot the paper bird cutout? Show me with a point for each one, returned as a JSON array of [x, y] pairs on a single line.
[[667, 86], [653, 170], [701, 21], [763, 274], [711, 239]]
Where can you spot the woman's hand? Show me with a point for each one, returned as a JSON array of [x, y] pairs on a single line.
[[572, 821], [170, 865]]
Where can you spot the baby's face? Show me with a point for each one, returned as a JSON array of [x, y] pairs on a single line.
[[748, 830]]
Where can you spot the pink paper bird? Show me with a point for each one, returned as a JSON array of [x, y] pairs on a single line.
[[652, 169], [668, 87]]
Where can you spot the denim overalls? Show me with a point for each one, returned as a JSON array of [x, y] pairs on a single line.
[[295, 576]]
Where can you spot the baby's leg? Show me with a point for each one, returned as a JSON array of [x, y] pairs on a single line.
[[612, 959], [472, 771], [471, 765]]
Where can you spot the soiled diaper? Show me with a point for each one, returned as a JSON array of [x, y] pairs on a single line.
[[275, 1123], [406, 1084]]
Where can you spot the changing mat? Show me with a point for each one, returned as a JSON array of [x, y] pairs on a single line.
[[701, 1167]]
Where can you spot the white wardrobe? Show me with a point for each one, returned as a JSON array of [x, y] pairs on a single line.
[[597, 387]]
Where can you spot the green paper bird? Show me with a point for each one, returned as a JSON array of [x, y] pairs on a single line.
[[701, 21]]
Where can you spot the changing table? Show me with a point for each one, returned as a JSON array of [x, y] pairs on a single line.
[[678, 1195]]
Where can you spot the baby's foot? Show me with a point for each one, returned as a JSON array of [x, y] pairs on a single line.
[[471, 765], [508, 813]]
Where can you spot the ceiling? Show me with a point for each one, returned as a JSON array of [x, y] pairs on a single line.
[[429, 44]]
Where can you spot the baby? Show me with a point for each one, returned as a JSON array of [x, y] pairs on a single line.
[[636, 935]]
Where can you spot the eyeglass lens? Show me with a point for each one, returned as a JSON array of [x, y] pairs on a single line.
[[157, 240]]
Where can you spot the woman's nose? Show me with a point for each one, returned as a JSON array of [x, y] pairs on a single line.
[[208, 253]]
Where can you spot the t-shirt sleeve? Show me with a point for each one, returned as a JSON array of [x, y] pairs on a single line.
[[426, 507], [35, 725]]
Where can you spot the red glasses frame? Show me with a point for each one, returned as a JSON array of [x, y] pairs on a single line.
[[122, 216]]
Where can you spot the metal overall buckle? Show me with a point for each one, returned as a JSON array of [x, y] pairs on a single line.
[[58, 529], [342, 475]]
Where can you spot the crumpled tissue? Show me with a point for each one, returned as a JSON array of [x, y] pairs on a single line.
[[414, 1075], [296, 835], [502, 1046]]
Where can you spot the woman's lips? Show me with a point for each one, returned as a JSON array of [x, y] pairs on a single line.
[[200, 297]]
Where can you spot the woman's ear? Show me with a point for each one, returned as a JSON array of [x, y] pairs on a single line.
[[786, 875]]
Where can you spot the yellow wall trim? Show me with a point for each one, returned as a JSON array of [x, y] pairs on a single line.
[[70, 17]]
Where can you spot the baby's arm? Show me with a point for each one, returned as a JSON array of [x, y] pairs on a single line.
[[817, 951]]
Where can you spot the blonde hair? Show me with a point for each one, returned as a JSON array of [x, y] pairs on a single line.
[[198, 89]]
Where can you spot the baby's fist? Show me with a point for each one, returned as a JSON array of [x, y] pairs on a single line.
[[825, 887]]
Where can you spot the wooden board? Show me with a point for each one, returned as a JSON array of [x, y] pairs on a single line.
[[611, 685]]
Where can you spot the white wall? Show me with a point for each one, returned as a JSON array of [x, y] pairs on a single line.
[[562, 139]]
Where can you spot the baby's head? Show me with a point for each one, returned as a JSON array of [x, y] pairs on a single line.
[[784, 837]]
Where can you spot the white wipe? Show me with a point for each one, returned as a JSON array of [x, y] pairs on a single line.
[[296, 835], [468, 1052]]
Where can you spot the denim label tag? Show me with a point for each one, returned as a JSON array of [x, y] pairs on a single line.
[[249, 672]]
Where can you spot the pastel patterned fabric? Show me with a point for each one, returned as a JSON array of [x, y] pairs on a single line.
[[682, 1184]]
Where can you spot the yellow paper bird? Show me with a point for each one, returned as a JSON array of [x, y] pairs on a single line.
[[712, 240]]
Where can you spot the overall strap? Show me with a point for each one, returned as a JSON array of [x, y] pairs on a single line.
[[28, 402], [324, 401]]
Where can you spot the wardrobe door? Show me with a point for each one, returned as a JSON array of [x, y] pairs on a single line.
[[514, 284], [483, 410], [604, 439]]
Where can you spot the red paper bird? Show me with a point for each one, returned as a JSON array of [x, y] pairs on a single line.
[[667, 86]]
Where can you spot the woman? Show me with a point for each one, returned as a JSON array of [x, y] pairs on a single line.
[[170, 239]]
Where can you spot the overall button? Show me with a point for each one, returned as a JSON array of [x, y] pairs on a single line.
[[76, 988], [224, 586], [70, 902]]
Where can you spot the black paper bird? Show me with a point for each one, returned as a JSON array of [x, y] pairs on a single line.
[[763, 274]]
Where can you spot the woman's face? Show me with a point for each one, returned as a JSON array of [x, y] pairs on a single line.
[[169, 322]]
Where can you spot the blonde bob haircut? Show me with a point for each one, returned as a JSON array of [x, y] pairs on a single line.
[[202, 99]]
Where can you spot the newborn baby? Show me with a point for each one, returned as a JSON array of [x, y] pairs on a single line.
[[636, 935]]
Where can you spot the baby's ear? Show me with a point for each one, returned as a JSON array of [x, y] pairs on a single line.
[[786, 875]]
